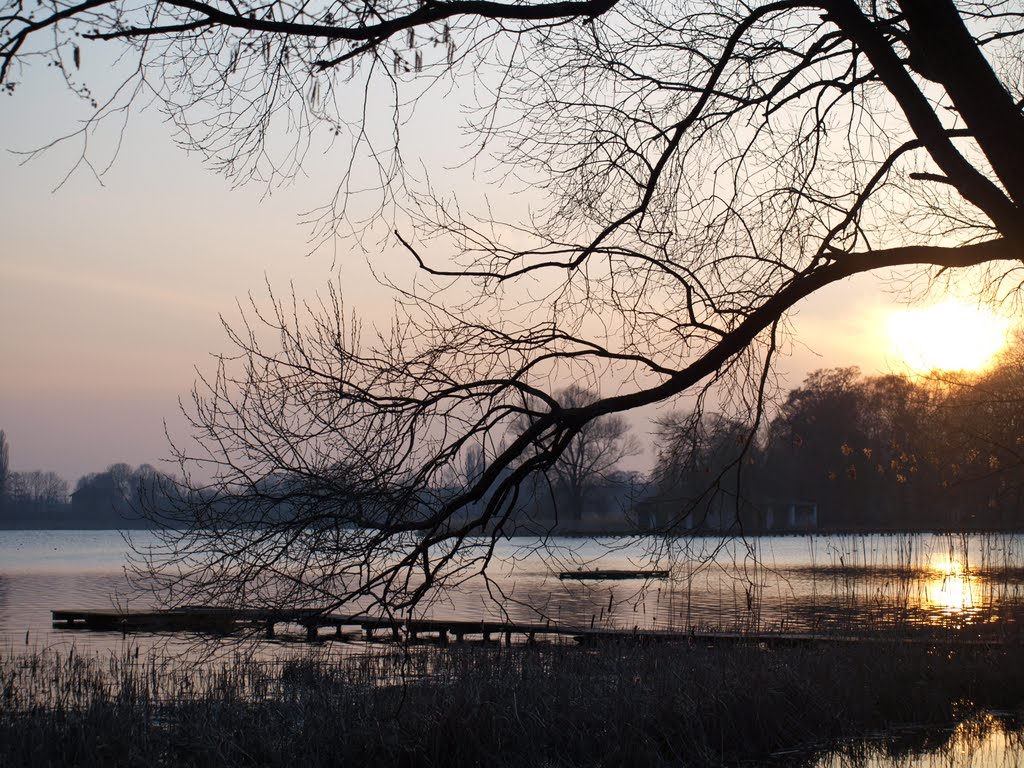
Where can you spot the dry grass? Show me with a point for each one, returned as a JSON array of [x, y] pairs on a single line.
[[465, 706]]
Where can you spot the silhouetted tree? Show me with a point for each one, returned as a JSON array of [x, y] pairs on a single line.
[[703, 169], [592, 456], [706, 472], [894, 452], [43, 490], [813, 442], [122, 494], [975, 440], [5, 459]]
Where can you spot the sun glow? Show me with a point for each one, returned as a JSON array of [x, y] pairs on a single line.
[[949, 337]]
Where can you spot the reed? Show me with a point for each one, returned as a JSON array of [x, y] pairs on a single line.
[[555, 705]]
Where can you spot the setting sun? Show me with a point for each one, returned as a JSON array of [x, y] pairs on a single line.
[[950, 336]]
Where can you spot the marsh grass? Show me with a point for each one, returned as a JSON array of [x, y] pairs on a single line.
[[985, 740], [557, 705]]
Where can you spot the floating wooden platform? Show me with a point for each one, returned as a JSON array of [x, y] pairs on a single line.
[[610, 575]]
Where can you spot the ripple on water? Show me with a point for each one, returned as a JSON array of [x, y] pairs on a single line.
[[795, 583]]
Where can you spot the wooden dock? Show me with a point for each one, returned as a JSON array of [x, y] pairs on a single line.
[[212, 620], [229, 620]]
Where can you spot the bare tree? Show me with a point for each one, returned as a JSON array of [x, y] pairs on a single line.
[[38, 488], [704, 167], [592, 456], [700, 473]]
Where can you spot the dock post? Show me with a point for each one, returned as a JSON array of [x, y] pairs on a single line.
[[337, 630], [487, 636], [311, 633], [508, 637], [442, 637], [369, 633], [270, 629], [459, 636], [396, 633], [531, 638]]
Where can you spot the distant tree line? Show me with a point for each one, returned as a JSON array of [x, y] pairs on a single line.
[[945, 451], [120, 497], [28, 496], [842, 451], [37, 489]]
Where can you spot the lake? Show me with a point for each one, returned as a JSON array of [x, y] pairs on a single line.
[[964, 585], [820, 584]]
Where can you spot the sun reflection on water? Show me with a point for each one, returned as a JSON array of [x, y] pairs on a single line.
[[983, 741], [952, 590]]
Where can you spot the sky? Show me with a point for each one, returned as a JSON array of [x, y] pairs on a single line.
[[111, 288]]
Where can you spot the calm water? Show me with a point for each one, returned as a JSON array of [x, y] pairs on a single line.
[[788, 583], [972, 584], [988, 741]]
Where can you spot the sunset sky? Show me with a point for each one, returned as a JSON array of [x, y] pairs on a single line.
[[110, 293]]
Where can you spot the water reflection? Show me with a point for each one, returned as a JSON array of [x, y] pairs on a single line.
[[986, 741], [953, 590], [819, 584]]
